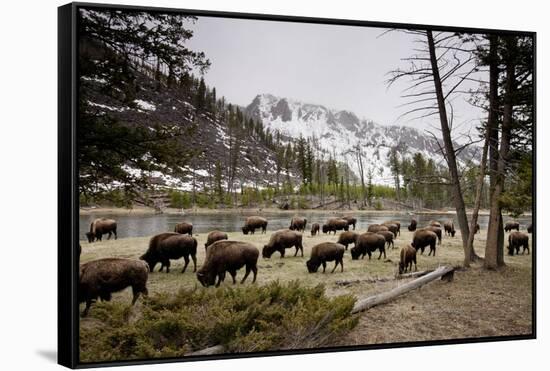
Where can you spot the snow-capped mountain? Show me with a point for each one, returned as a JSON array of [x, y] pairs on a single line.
[[338, 131]]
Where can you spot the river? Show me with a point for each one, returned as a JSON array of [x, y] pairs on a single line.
[[147, 225]]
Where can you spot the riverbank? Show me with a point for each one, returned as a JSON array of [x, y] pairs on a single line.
[[143, 210]]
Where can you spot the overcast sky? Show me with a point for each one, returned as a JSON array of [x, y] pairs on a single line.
[[341, 67]]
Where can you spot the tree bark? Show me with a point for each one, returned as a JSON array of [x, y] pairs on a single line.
[[494, 250], [449, 151]]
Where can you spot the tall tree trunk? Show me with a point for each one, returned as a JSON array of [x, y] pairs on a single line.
[[495, 235], [449, 151]]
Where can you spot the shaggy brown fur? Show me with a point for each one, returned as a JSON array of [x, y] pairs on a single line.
[[184, 228], [449, 228], [298, 224], [99, 227], [254, 222], [366, 244], [377, 228], [389, 236], [438, 231], [315, 229], [412, 226], [324, 252], [423, 238], [516, 240], [511, 225], [396, 223], [100, 278], [335, 224], [281, 240], [351, 220], [215, 236], [407, 256], [228, 256], [346, 238], [170, 246]]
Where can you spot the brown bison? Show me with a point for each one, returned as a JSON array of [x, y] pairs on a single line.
[[184, 228], [434, 223], [298, 224], [412, 226], [423, 238], [324, 252], [407, 256], [315, 229], [392, 228], [389, 236], [99, 227], [170, 246], [391, 223], [100, 278], [215, 236], [367, 243], [228, 256], [449, 228], [346, 238], [254, 222], [335, 224], [374, 228], [437, 231], [511, 225], [351, 220], [516, 240], [281, 240], [530, 228]]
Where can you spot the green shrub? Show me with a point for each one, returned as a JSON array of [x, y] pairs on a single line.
[[378, 205], [244, 319], [180, 200]]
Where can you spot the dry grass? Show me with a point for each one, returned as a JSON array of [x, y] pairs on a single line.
[[477, 303]]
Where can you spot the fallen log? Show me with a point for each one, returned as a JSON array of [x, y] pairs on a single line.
[[216, 349], [384, 297], [413, 274]]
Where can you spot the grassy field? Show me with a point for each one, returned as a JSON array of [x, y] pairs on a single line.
[[477, 303]]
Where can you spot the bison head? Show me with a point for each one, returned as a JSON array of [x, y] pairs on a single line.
[[401, 267], [206, 279], [245, 229], [91, 236], [266, 252], [312, 265], [149, 260], [355, 253], [453, 233]]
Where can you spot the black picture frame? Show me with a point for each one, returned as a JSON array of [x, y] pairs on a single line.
[[68, 200]]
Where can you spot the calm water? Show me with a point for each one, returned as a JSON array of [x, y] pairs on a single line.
[[147, 225]]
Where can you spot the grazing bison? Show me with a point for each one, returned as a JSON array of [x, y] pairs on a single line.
[[374, 228], [315, 229], [530, 228], [214, 236], [99, 227], [392, 228], [412, 226], [184, 228], [170, 246], [423, 238], [434, 223], [254, 222], [511, 225], [324, 252], [437, 231], [298, 224], [351, 220], [367, 243], [346, 238], [228, 256], [389, 236], [281, 240], [396, 223], [335, 224], [449, 228], [407, 256], [476, 230], [100, 278], [517, 240]]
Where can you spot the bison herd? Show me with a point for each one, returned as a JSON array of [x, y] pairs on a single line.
[[100, 278]]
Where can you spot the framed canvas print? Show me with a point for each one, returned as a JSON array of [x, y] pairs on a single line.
[[237, 185]]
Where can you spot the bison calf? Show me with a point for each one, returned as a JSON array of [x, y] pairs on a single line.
[[228, 256], [254, 222], [166, 246], [517, 240], [100, 278], [281, 240], [323, 252], [449, 228], [407, 257], [315, 229]]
